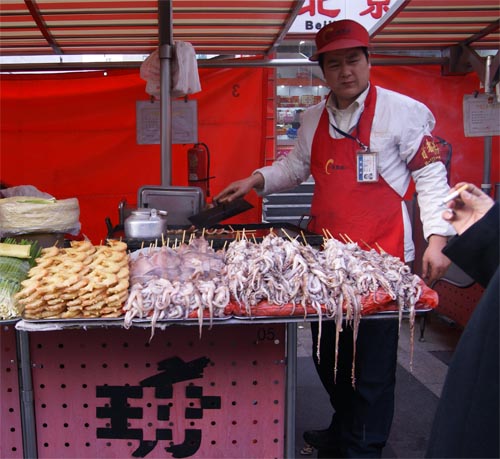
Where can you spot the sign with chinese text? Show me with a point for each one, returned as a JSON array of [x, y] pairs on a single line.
[[481, 115], [314, 14]]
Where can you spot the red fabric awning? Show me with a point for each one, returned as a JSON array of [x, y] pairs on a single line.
[[440, 24], [44, 27]]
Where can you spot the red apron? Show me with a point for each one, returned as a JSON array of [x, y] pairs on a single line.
[[369, 212]]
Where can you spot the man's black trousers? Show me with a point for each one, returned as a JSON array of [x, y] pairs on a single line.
[[363, 414]]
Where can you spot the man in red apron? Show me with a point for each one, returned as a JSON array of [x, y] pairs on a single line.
[[363, 145]]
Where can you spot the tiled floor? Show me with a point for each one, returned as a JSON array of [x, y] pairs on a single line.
[[419, 383]]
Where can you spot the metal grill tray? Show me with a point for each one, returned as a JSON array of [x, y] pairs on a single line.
[[254, 231], [82, 320], [10, 321], [118, 321], [206, 320], [315, 317]]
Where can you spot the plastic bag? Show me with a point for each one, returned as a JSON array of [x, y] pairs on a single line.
[[379, 301], [32, 214], [184, 76]]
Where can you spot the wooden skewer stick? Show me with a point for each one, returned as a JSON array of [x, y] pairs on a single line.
[[287, 235], [343, 238], [303, 237], [329, 233], [366, 243], [348, 238], [381, 250]]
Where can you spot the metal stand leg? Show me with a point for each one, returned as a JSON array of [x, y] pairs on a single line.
[[291, 387], [26, 392]]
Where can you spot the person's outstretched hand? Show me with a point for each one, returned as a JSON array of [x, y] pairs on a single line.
[[239, 188], [469, 207]]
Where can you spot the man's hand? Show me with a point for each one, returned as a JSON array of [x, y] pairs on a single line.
[[434, 262], [240, 188]]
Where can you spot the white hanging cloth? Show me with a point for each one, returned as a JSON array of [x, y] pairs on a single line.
[[184, 71]]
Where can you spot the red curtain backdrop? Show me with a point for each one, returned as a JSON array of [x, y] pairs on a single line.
[[74, 134]]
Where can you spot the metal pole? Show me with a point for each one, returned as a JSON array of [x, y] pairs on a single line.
[[165, 27], [486, 184], [291, 388], [26, 391]]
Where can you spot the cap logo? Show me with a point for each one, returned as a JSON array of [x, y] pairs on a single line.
[[332, 33]]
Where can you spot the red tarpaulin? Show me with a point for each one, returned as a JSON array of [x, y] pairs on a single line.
[[74, 134]]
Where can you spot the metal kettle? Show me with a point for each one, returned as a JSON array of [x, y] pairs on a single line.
[[144, 223]]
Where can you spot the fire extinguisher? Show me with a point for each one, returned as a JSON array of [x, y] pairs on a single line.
[[199, 167]]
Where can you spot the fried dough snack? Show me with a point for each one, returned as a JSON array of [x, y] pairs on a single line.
[[81, 281]]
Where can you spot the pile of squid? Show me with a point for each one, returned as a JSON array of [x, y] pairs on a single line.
[[331, 280], [193, 280], [176, 283], [334, 281]]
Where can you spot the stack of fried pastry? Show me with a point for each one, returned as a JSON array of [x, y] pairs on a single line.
[[81, 281]]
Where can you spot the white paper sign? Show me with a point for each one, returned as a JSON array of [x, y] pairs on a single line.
[[481, 115], [184, 122]]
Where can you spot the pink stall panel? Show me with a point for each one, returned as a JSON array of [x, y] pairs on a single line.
[[11, 442], [112, 393], [457, 303]]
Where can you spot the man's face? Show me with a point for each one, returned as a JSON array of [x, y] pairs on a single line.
[[347, 72]]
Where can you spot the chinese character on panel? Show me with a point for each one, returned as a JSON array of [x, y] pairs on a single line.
[[119, 411]]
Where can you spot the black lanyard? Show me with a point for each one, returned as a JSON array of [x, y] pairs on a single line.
[[349, 136]]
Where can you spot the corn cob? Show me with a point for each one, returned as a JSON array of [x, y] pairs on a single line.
[[12, 272], [15, 250]]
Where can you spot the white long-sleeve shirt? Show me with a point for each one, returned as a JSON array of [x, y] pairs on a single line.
[[399, 125]]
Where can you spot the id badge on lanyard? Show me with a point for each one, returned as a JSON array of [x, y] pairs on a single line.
[[366, 166], [366, 160]]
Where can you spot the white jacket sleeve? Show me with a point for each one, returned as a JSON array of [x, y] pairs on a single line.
[[432, 186], [400, 125], [291, 170]]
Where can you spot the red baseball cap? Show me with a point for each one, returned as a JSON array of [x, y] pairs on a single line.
[[340, 35]]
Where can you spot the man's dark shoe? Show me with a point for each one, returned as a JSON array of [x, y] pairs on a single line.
[[329, 454], [320, 439]]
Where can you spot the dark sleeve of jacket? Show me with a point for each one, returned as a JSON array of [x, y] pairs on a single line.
[[477, 250]]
